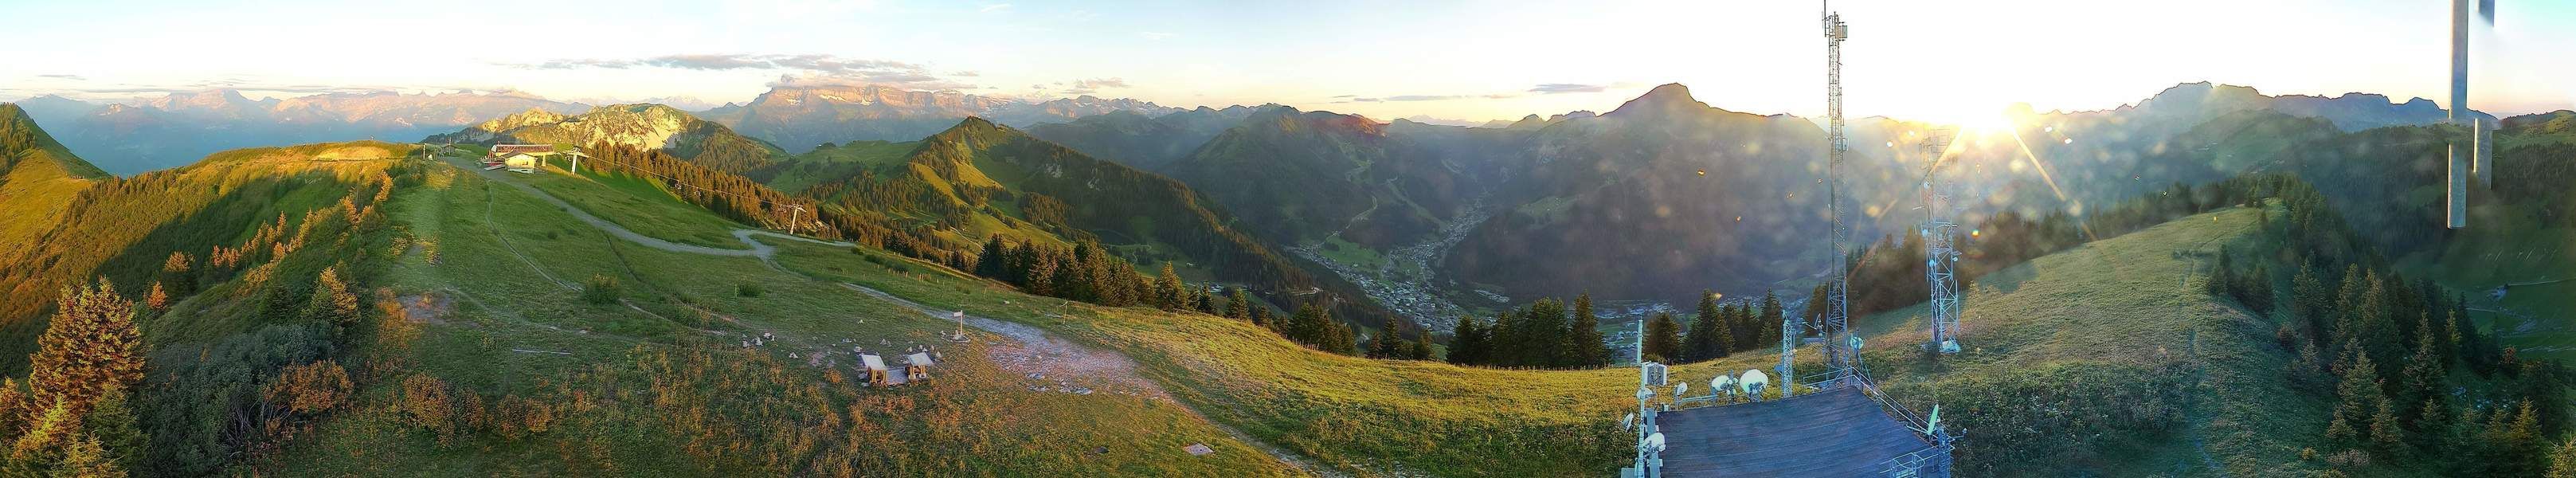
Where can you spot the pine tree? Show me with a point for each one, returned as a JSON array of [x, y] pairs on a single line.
[[1504, 345], [1261, 317], [179, 272], [1584, 336], [113, 427], [13, 408], [1708, 337], [2435, 420], [2425, 372], [332, 303], [1467, 341], [2562, 462], [90, 347], [991, 263], [1339, 339], [2308, 299], [1385, 345], [2346, 304], [156, 300], [2361, 396], [1238, 305], [2219, 281], [2519, 442], [1420, 347], [1545, 338], [1768, 323], [84, 457], [1170, 294], [1663, 339], [2386, 436]]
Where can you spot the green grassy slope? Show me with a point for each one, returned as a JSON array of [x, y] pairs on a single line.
[[38, 177], [979, 179], [663, 388], [126, 229], [2103, 361], [833, 163]]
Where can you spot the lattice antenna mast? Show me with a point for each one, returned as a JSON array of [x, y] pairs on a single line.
[[1842, 357], [1940, 256]]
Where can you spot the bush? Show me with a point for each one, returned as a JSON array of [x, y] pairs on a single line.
[[748, 290], [600, 290]]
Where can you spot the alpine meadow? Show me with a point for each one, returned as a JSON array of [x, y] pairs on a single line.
[[1634, 238]]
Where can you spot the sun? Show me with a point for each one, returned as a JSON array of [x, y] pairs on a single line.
[[1985, 122]]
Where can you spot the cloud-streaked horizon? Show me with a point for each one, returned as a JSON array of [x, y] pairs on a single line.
[[802, 70], [1487, 60]]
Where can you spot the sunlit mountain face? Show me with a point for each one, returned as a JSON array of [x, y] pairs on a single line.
[[893, 239]]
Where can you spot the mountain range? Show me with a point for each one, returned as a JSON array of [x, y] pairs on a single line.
[[1665, 195], [643, 126], [803, 117], [1453, 209], [179, 128]]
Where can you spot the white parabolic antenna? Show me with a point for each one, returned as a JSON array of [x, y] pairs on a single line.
[[1654, 442], [1629, 422], [1681, 389], [1753, 382], [1723, 383]]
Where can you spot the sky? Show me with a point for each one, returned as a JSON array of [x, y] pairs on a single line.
[[1475, 61]]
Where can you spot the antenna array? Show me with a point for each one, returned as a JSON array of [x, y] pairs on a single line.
[[1842, 358]]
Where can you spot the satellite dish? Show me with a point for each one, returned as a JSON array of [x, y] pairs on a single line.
[[1631, 421], [1753, 382], [1681, 389], [1855, 342], [1654, 442], [1722, 384]]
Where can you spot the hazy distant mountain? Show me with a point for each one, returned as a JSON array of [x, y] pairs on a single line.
[[179, 128], [802, 117], [1618, 204], [1141, 141], [55, 109], [1429, 120], [1299, 176], [644, 126]]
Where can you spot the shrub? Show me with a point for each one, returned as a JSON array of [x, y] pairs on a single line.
[[426, 403], [600, 290]]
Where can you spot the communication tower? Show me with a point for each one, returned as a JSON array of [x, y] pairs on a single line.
[[1842, 355], [1940, 256]]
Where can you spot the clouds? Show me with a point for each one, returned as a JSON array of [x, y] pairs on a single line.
[[1409, 98], [1556, 88], [800, 70], [995, 8], [1541, 89], [1094, 85], [1156, 36], [120, 91]]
